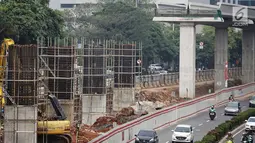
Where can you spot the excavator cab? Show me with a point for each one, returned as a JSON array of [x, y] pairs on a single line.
[[57, 131]]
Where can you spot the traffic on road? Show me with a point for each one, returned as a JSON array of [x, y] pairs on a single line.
[[195, 128]]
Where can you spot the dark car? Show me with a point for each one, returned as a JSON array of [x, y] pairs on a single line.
[[252, 101], [147, 136], [233, 108]]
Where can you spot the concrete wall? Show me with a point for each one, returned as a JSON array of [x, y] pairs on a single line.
[[167, 116], [24, 130], [123, 97], [92, 108]]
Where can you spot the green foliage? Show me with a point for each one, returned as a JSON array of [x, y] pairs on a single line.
[[235, 46], [219, 132], [123, 21], [206, 56], [25, 20]]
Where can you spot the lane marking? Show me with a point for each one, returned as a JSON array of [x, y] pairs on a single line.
[[208, 121], [200, 124], [238, 132], [222, 114]]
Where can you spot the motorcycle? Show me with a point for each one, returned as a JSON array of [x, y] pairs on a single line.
[[212, 115], [248, 140]]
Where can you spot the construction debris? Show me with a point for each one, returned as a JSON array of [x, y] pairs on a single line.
[[104, 124], [85, 134]]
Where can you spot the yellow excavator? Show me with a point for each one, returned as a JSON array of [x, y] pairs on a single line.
[[3, 59], [56, 131]]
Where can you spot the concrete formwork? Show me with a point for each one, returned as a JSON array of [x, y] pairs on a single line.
[[123, 97], [20, 124], [20, 119]]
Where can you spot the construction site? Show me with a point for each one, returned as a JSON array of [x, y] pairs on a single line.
[[73, 89], [60, 86]]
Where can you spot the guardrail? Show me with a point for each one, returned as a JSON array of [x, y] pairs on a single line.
[[159, 80], [170, 115]]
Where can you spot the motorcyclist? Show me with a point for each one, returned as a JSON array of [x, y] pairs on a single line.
[[247, 136], [230, 137], [231, 98], [212, 109], [244, 137]]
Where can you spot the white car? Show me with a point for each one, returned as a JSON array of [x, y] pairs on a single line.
[[183, 133], [250, 124]]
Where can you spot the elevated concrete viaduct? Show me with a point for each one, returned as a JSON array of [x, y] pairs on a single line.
[[220, 16]]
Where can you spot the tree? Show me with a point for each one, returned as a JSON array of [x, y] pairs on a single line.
[[235, 46], [205, 56], [123, 21], [25, 20]]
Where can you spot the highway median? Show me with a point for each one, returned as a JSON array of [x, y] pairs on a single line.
[[220, 132]]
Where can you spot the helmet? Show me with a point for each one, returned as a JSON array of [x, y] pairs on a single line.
[[229, 134], [212, 106]]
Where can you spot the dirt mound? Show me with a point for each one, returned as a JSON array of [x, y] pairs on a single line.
[[164, 94], [85, 134], [234, 82], [104, 124]]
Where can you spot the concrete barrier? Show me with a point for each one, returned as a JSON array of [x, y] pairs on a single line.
[[159, 80], [168, 116]]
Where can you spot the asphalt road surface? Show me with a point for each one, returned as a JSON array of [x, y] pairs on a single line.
[[201, 123], [238, 135]]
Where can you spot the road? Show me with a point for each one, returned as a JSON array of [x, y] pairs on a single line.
[[238, 135], [201, 123]]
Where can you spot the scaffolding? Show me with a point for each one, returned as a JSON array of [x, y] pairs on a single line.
[[127, 66], [83, 74], [97, 77], [20, 117], [108, 66], [56, 64]]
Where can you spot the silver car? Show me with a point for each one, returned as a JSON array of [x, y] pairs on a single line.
[[252, 101], [233, 108]]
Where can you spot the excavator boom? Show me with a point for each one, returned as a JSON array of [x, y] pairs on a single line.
[[58, 130], [58, 109], [3, 53]]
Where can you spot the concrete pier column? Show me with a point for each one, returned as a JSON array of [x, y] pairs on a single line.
[[187, 60], [248, 56], [93, 107], [220, 57]]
